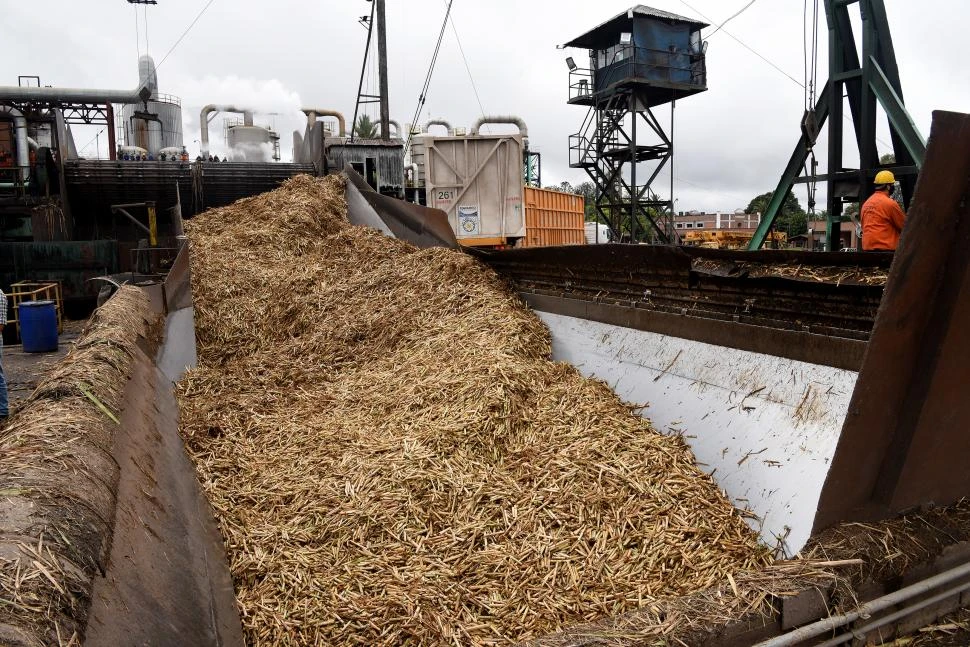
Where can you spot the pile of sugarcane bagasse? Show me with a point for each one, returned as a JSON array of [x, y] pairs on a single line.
[[394, 459]]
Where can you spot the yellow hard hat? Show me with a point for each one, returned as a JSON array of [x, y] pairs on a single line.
[[885, 177]]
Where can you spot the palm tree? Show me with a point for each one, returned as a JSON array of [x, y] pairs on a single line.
[[365, 128]]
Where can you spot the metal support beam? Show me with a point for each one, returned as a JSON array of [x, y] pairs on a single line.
[[795, 164], [151, 229], [899, 117], [905, 442], [382, 68], [112, 144], [867, 82], [837, 64], [607, 148]]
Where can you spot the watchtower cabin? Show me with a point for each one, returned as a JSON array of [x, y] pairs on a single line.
[[638, 60]]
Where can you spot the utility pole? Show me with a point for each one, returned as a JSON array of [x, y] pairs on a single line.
[[382, 69]]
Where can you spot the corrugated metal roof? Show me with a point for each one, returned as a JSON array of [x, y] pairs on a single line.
[[644, 10], [639, 10]]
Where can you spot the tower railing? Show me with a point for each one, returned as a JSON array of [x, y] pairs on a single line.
[[639, 65]]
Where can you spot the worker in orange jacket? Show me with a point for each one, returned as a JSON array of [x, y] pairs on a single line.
[[882, 218]]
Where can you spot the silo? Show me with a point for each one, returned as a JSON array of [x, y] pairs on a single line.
[[250, 144], [153, 135]]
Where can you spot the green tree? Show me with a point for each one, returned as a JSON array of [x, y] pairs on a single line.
[[588, 191], [887, 159], [365, 128], [791, 219]]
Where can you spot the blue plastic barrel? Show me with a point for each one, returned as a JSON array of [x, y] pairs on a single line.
[[38, 326]]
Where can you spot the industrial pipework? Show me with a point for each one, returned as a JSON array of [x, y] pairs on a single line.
[[437, 122], [313, 113], [397, 129], [20, 128], [76, 95], [204, 121], [501, 119]]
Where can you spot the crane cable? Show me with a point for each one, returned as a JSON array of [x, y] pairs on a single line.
[[810, 70], [184, 34], [427, 81]]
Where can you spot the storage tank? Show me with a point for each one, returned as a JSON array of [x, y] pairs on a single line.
[[250, 143], [418, 156], [149, 134], [477, 180]]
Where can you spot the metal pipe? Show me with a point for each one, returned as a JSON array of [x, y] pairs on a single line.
[[134, 220], [297, 147], [397, 129], [109, 112], [20, 128], [867, 609], [414, 173], [204, 121], [501, 119], [74, 95], [313, 113], [437, 122], [898, 615]]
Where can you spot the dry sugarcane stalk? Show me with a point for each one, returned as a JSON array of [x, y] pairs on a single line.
[[394, 459]]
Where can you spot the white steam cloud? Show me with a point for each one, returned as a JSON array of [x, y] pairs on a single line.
[[273, 104]]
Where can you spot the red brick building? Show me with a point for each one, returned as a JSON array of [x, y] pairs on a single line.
[[741, 222]]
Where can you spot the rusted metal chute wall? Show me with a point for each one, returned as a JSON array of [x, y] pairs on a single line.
[[906, 439], [167, 581], [422, 226]]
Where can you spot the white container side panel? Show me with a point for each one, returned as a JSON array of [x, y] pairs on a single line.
[[765, 426], [477, 181]]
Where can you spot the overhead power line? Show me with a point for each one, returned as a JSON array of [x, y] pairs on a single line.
[[427, 81], [467, 67], [733, 16], [184, 33], [814, 63], [745, 45]]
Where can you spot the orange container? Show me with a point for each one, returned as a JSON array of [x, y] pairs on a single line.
[[553, 218]]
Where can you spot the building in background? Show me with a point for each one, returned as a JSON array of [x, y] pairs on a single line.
[[848, 236], [734, 220]]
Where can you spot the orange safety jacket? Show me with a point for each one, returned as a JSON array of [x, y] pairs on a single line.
[[882, 222]]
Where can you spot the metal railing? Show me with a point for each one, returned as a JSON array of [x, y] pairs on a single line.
[[167, 98], [23, 291], [12, 180], [643, 65]]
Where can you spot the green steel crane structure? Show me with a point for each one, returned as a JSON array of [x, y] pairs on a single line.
[[864, 81]]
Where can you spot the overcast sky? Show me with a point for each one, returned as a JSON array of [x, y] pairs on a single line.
[[732, 141]]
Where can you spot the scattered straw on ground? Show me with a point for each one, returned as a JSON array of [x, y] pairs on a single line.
[[841, 561], [393, 459], [58, 481], [891, 547], [839, 275]]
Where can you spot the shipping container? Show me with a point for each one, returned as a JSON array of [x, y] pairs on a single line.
[[477, 181], [553, 218], [597, 233]]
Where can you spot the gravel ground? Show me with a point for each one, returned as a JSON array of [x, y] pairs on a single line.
[[24, 370]]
